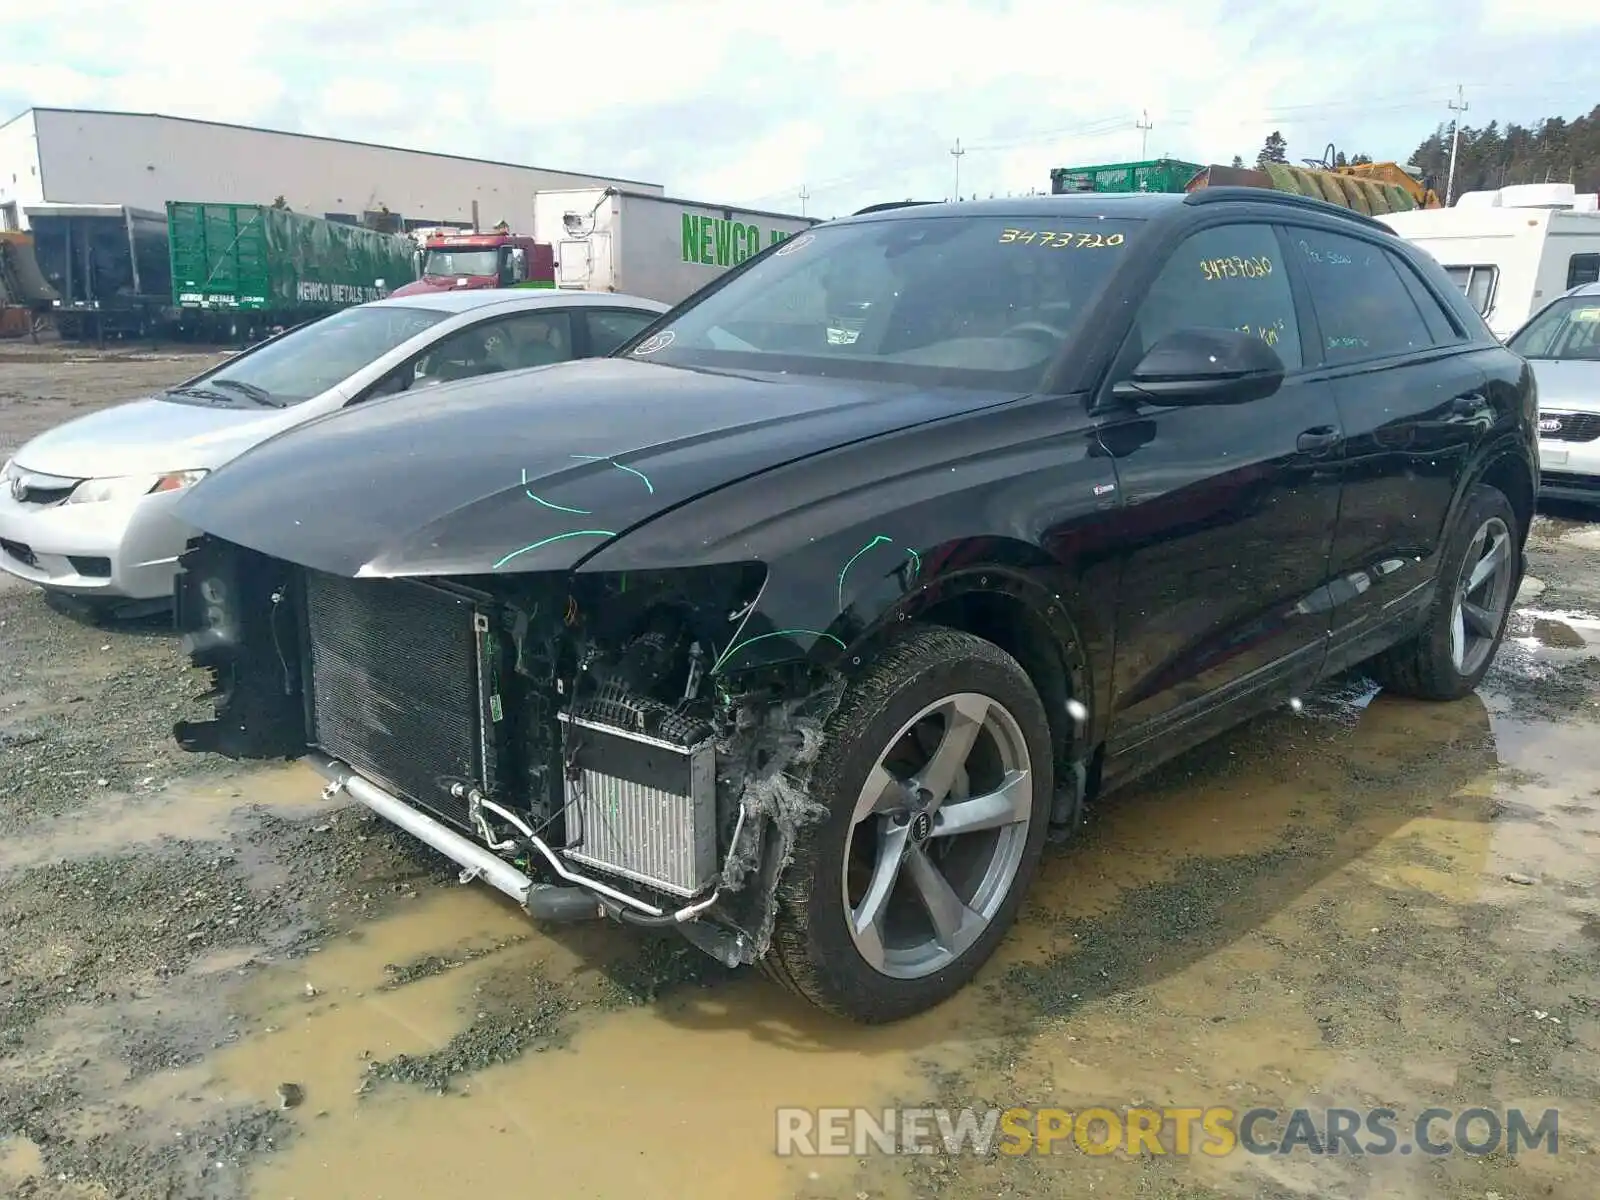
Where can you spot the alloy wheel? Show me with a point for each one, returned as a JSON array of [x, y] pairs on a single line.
[[1482, 596], [937, 835]]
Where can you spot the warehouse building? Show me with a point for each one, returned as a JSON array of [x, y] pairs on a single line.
[[142, 160]]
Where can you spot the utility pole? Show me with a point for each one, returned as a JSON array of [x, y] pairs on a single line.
[[1458, 106], [1144, 126], [804, 196], [956, 154]]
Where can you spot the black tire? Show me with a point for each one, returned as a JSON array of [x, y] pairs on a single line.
[[812, 950], [1422, 666]]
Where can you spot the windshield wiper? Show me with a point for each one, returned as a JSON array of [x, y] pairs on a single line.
[[259, 394], [200, 393]]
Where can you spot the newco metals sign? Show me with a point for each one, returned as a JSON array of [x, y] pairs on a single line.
[[715, 242], [339, 293]]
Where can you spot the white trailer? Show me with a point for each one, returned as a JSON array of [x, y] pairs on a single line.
[[658, 247], [1513, 250]]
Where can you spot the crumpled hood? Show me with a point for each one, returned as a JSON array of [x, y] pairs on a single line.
[[530, 470], [149, 436], [1571, 385]]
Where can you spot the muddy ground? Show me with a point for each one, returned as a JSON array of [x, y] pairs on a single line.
[[215, 984]]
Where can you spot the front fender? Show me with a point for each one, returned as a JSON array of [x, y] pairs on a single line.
[[1017, 500]]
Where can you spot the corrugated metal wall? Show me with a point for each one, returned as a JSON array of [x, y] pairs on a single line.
[[119, 158]]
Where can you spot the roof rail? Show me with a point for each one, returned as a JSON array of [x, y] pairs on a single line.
[[888, 204], [1216, 195]]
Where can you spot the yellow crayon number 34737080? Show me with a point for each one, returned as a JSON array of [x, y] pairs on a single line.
[[1236, 267]]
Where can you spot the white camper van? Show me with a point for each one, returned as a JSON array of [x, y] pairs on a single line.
[[1511, 251]]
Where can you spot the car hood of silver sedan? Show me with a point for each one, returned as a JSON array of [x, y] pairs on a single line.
[[1571, 385], [152, 436]]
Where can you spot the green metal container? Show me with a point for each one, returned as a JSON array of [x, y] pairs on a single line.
[[256, 258], [1152, 175]]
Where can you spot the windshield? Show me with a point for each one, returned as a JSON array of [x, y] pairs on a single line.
[[1569, 329], [462, 262], [944, 300], [310, 360]]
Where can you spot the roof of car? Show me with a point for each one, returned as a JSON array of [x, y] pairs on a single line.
[[1119, 204], [466, 299], [1141, 206], [1586, 289]]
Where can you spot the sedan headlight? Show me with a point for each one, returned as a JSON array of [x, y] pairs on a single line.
[[131, 487]]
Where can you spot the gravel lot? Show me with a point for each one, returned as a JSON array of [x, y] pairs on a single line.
[[214, 983]]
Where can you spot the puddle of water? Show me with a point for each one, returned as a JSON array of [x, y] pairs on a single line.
[[676, 1098], [639, 1099], [1555, 802], [1275, 1009], [191, 810], [1586, 538], [19, 1160]]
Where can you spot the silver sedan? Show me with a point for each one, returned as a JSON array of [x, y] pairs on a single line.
[[85, 507], [1562, 343]]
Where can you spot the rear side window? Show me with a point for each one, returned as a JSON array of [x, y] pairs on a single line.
[[1583, 268], [1225, 277], [1362, 304], [1444, 324], [1476, 283], [609, 328]]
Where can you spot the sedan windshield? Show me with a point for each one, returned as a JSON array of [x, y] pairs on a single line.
[[949, 300], [310, 360], [461, 262], [1568, 329]]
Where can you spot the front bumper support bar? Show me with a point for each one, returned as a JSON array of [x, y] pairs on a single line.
[[585, 898]]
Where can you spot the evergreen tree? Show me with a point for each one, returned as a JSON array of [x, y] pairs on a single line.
[[1274, 150], [1553, 150]]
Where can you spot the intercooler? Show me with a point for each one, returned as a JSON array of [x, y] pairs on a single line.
[[394, 686], [641, 806]]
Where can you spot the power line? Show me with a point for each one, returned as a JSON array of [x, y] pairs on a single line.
[[1281, 115], [1094, 129]]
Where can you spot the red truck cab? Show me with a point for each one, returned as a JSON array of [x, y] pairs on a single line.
[[483, 260]]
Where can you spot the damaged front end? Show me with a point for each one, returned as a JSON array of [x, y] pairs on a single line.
[[571, 739]]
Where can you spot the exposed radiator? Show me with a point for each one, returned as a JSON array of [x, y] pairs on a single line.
[[641, 807], [394, 685]]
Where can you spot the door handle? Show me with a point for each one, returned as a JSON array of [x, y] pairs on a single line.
[[1318, 440]]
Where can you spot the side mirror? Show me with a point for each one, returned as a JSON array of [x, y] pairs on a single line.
[[1204, 366]]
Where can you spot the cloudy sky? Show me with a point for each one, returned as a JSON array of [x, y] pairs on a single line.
[[856, 102]]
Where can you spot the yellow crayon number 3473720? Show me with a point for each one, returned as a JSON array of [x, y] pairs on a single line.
[[1059, 241]]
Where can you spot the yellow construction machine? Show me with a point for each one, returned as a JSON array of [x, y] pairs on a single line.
[[1370, 188], [1393, 173]]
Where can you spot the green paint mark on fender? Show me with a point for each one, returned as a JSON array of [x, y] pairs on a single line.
[[761, 637], [716, 242]]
